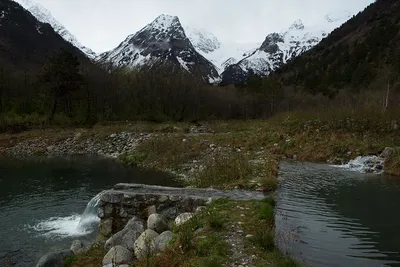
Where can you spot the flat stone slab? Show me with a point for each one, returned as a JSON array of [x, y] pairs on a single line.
[[187, 192]]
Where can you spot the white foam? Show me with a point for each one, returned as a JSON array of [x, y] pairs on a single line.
[[61, 227], [73, 225], [364, 164]]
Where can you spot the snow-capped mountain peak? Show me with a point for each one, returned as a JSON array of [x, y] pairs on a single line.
[[221, 54], [338, 16], [164, 22], [43, 15], [297, 25], [278, 48], [161, 42], [202, 40]]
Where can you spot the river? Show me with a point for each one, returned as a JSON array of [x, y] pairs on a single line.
[[42, 199], [328, 216]]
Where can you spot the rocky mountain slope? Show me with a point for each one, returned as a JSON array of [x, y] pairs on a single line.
[[43, 15], [162, 42], [364, 52], [24, 40], [278, 48]]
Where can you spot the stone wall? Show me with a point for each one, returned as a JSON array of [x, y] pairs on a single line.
[[117, 207], [123, 202]]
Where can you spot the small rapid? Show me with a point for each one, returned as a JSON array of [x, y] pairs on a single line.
[[364, 164]]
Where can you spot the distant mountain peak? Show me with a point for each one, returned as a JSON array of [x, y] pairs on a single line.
[[164, 22], [161, 42], [202, 40], [44, 15], [279, 48], [165, 18], [338, 16], [297, 25]]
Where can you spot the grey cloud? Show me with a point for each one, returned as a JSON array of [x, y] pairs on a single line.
[[103, 24]]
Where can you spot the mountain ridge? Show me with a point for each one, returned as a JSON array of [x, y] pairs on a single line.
[[45, 16], [203, 52], [362, 53], [278, 48], [24, 40], [161, 42]]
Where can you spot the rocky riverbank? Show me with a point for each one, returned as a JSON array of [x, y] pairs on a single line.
[[112, 145]]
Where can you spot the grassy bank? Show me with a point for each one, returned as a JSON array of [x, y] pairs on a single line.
[[207, 239], [245, 154]]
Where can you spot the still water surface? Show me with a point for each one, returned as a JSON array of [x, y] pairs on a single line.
[[329, 216]]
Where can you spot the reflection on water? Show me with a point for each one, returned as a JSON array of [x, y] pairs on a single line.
[[338, 217]]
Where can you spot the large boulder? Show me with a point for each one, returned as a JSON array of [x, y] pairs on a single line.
[[106, 227], [157, 222], [161, 241], [129, 239], [115, 239], [118, 255], [78, 247], [54, 259], [170, 213], [182, 218], [144, 246], [388, 152], [132, 230], [135, 224]]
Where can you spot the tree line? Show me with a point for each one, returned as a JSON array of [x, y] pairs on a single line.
[[65, 91]]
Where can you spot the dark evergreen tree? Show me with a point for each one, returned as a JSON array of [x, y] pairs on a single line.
[[61, 78]]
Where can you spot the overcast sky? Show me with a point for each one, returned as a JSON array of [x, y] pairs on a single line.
[[102, 24]]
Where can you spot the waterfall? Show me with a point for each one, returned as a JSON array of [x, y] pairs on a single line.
[[89, 217], [366, 164], [73, 225]]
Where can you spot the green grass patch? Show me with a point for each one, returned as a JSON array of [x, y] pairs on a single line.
[[92, 258], [69, 261], [265, 211], [264, 240], [163, 152], [269, 200], [134, 158], [208, 247], [225, 170]]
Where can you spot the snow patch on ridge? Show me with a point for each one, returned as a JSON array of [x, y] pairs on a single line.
[[279, 48], [43, 15]]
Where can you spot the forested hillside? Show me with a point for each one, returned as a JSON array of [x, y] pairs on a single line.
[[363, 53]]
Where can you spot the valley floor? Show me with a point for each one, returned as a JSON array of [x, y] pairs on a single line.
[[220, 154]]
